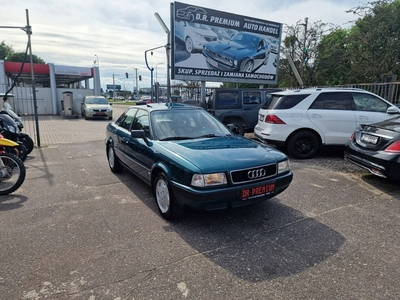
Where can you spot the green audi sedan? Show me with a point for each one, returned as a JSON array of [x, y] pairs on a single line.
[[192, 160]]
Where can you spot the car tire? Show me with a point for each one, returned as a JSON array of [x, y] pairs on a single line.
[[303, 145], [110, 118], [166, 202], [248, 66], [237, 127], [189, 44], [113, 161]]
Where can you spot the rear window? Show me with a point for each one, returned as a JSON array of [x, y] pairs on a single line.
[[284, 102]]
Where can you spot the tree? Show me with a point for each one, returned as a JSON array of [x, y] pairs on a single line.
[[5, 51], [374, 42], [19, 57], [332, 64], [301, 43]]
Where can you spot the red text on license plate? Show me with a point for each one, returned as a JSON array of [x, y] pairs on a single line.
[[258, 191]]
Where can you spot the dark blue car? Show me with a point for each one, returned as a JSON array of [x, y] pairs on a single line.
[[244, 52], [191, 160]]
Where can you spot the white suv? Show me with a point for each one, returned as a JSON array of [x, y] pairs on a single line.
[[304, 120]]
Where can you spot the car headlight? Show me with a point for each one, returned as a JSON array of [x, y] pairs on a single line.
[[202, 180], [283, 166], [109, 109], [89, 109]]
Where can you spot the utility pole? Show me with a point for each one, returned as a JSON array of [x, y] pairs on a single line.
[[137, 88], [304, 47]]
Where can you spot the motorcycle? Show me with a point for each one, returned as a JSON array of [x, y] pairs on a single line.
[[10, 130], [23, 137], [12, 169]]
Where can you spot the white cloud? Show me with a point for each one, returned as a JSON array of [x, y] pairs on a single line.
[[119, 32]]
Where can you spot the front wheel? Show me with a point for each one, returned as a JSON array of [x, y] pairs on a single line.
[[303, 144], [166, 202], [12, 173]]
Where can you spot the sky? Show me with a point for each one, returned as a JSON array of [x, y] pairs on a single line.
[[114, 34]]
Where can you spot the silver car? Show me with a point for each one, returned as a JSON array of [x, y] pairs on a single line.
[[96, 106]]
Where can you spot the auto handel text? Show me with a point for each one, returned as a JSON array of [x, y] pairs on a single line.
[[224, 74]]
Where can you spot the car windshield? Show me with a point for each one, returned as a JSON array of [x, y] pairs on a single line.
[[96, 101], [185, 124]]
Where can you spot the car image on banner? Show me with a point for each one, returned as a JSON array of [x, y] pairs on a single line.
[[244, 52], [211, 45]]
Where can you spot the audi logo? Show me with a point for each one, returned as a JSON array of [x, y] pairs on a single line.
[[254, 174]]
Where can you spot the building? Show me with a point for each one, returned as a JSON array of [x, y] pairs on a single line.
[[52, 82]]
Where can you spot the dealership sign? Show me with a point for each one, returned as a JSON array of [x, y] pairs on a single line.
[[210, 45]]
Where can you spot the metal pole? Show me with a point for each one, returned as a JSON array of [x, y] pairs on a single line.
[[113, 87], [29, 32], [137, 88]]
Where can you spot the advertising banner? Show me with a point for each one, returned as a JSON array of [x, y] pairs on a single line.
[[210, 45]]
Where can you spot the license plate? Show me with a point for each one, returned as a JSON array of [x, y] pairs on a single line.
[[211, 62], [257, 191], [369, 138], [100, 114]]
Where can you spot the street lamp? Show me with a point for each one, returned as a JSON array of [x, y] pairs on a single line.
[[114, 85], [97, 60]]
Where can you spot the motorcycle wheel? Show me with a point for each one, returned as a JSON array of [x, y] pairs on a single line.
[[28, 142], [19, 151], [12, 173]]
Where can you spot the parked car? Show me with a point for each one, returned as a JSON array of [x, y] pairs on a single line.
[[244, 52], [191, 160], [194, 35], [238, 107], [96, 106], [303, 121], [376, 147]]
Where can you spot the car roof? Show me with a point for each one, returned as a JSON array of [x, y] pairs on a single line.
[[168, 106], [318, 90]]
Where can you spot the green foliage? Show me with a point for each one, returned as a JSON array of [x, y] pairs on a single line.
[[8, 54], [5, 51], [19, 57]]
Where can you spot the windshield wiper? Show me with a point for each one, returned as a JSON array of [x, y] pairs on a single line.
[[176, 138]]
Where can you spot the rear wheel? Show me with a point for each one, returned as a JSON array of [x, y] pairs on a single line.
[[27, 141], [166, 202], [113, 161], [303, 144], [237, 126]]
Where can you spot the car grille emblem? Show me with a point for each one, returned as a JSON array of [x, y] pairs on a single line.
[[253, 174]]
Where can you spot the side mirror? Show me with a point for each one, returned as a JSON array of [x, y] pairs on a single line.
[[139, 134]]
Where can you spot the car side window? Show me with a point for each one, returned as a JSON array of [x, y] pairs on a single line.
[[333, 101], [367, 102], [141, 122], [284, 102], [127, 120], [251, 97], [228, 99]]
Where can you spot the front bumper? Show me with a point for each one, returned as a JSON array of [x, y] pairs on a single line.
[[226, 197]]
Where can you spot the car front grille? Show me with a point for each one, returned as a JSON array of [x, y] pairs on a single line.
[[253, 174], [99, 110]]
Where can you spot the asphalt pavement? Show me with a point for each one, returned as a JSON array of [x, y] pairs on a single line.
[[74, 230]]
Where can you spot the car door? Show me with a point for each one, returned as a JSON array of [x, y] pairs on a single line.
[[123, 135], [137, 149], [332, 114], [251, 104], [369, 108]]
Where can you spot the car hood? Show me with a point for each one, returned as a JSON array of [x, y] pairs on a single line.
[[98, 106], [223, 153], [229, 49]]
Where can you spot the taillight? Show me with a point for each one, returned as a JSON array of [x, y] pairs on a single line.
[[394, 148], [273, 119], [351, 137]]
